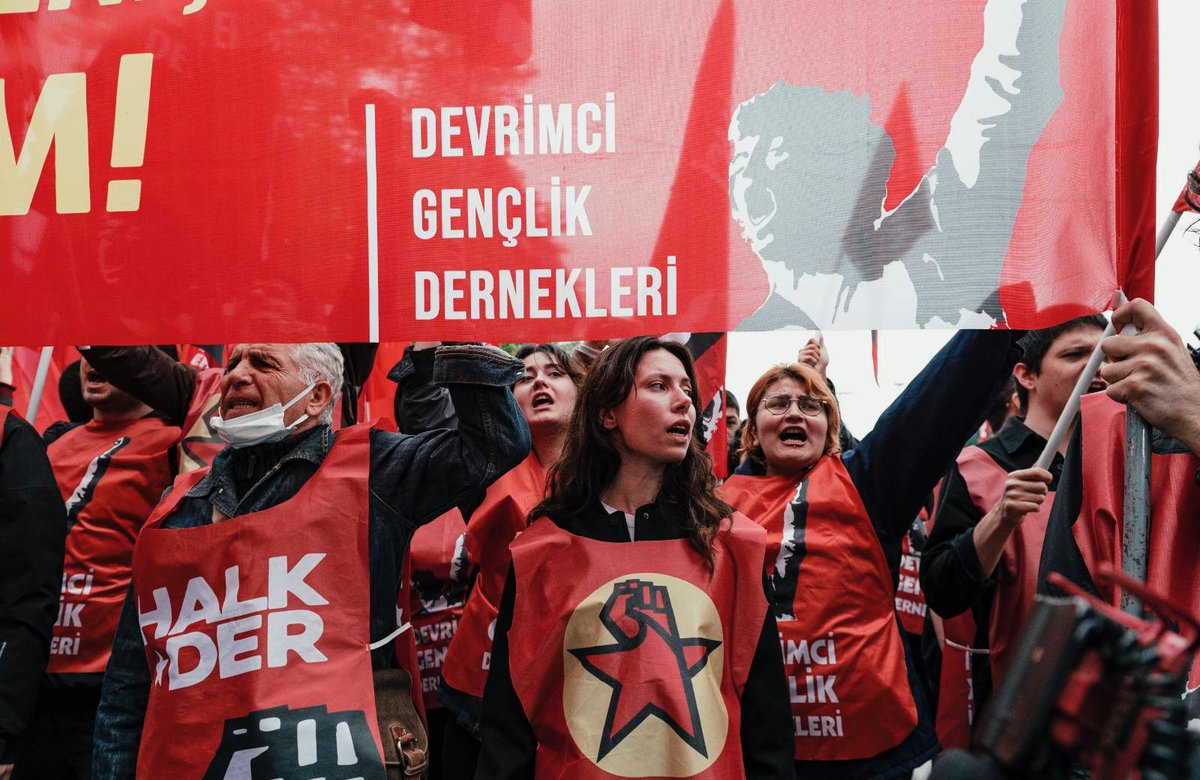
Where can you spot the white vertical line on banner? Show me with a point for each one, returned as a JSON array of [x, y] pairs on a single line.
[[372, 232]]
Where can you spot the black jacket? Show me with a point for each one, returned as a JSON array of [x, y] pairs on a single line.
[[33, 530]]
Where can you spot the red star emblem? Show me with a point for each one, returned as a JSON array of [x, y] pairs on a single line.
[[649, 666]]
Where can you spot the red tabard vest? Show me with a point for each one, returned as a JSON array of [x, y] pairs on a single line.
[[835, 604], [1018, 567], [491, 529], [4, 412], [1174, 510], [256, 632], [630, 658], [956, 689], [910, 599], [435, 595], [200, 444], [111, 476]]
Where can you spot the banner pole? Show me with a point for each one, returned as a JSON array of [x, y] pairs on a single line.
[[39, 384], [1165, 231], [1135, 526]]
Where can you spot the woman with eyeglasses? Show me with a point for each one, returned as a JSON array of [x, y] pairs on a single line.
[[834, 523]]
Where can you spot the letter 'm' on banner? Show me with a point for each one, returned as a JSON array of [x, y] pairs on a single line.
[[59, 117]]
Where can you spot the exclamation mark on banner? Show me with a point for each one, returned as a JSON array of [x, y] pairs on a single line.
[[129, 129]]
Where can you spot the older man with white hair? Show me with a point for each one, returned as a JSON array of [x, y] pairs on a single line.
[[256, 638]]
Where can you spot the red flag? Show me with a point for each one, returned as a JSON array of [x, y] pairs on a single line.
[[1189, 198], [537, 171], [709, 351], [25, 363]]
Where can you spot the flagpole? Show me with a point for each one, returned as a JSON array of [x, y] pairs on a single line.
[[39, 384], [1165, 231]]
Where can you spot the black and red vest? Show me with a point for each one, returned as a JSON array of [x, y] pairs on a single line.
[[491, 529], [1174, 544], [1017, 571], [630, 658], [437, 585], [256, 631], [835, 605], [111, 475]]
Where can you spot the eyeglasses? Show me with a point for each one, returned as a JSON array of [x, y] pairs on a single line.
[[779, 404]]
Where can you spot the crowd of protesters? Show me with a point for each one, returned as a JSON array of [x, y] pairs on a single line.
[[217, 573]]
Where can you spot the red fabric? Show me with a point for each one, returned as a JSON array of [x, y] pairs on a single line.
[[633, 666], [379, 392], [200, 444], [435, 597], [287, 648], [492, 527], [254, 158], [1018, 567], [25, 363], [111, 476], [1189, 197], [709, 352], [4, 413], [840, 640], [956, 690], [910, 599], [1174, 544]]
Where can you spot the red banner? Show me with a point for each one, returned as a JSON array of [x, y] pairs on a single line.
[[210, 171]]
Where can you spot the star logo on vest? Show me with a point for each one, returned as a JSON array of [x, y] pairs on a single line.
[[643, 657]]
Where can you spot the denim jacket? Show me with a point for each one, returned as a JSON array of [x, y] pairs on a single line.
[[412, 480]]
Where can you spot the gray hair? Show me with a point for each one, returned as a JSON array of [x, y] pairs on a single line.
[[321, 362]]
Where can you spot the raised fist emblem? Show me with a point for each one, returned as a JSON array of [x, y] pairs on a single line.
[[300, 744]]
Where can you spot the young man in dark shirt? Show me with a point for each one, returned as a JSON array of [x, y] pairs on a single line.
[[983, 552]]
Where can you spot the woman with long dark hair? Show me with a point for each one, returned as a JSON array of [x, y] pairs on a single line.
[[634, 636], [835, 521]]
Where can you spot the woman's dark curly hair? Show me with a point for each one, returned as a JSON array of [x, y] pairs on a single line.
[[590, 460]]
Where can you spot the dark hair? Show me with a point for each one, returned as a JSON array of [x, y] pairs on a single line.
[[590, 461], [731, 401], [1036, 343], [998, 412], [70, 394], [557, 353]]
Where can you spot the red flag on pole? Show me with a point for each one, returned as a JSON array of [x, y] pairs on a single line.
[[1189, 198]]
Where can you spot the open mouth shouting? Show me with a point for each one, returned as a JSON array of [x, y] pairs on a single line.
[[235, 406], [680, 431], [793, 436], [541, 400]]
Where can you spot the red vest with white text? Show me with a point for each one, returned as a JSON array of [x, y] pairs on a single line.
[[1174, 547], [910, 599], [835, 604], [435, 595], [490, 530], [1018, 567], [111, 475], [256, 632], [630, 658]]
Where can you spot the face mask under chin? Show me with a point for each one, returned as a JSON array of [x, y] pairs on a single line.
[[262, 427]]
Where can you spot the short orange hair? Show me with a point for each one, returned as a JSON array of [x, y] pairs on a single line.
[[814, 384]]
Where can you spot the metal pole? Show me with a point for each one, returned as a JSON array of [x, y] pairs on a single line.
[[39, 384], [1135, 524]]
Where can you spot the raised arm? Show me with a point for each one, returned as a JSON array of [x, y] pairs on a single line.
[[423, 475], [149, 375], [918, 437], [420, 405]]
